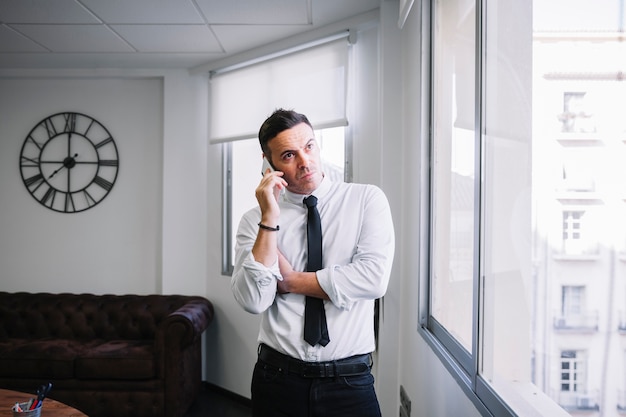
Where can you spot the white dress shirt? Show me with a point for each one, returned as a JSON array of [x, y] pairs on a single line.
[[358, 247]]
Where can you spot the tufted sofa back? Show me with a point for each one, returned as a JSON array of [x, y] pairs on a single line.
[[84, 316]]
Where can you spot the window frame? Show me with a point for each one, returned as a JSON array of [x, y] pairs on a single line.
[[226, 141], [229, 223], [227, 213], [463, 366]]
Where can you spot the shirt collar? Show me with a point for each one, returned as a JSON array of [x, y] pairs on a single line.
[[319, 192]]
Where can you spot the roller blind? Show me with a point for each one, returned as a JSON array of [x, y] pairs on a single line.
[[311, 81]]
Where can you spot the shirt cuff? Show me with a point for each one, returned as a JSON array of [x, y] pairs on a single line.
[[326, 281], [262, 274]]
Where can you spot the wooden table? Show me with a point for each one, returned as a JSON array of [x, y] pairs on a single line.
[[51, 408]]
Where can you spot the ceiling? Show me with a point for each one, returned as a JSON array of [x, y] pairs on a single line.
[[154, 33]]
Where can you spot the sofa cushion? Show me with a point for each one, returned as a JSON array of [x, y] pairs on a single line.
[[117, 359], [44, 358]]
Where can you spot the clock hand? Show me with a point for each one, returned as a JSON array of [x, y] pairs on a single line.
[[68, 162]]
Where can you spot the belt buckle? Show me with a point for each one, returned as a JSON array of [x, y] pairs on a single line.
[[319, 370]]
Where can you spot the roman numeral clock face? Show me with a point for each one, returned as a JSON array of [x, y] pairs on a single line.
[[69, 162]]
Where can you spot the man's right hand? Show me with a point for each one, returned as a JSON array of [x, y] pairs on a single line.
[[267, 193]]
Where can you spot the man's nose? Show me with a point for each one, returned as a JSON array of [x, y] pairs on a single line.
[[303, 160]]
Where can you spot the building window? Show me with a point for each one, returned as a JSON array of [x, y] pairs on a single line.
[[572, 226], [573, 300], [577, 116], [572, 372], [574, 313], [579, 231], [579, 167], [574, 395]]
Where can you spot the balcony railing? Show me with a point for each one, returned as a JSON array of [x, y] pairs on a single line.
[[577, 247], [587, 322], [578, 401]]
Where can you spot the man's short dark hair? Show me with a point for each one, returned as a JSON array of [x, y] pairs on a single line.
[[280, 120]]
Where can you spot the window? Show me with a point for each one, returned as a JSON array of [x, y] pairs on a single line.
[[621, 395], [573, 300], [578, 230], [572, 374], [571, 229], [574, 312], [245, 155], [576, 116], [525, 159], [453, 198], [311, 79], [578, 171], [573, 395]]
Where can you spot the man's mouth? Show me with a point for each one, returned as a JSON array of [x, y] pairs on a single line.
[[307, 175]]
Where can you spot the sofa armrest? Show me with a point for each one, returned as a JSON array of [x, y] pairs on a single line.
[[188, 322], [178, 344]]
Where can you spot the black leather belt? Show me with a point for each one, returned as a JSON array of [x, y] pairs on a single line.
[[354, 365]]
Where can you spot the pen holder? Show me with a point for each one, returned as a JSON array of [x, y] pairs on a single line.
[[27, 413]]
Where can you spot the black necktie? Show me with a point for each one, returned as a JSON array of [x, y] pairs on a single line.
[[315, 329]]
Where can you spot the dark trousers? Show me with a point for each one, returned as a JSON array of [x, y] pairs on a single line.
[[277, 392]]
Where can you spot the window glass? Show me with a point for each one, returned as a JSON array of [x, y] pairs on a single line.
[[527, 227], [454, 177], [621, 395], [551, 227], [578, 94]]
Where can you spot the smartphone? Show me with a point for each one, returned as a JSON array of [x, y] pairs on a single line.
[[266, 165]]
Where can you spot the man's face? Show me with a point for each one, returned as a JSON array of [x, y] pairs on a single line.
[[295, 152]]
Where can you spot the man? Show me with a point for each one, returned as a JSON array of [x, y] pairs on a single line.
[[329, 375]]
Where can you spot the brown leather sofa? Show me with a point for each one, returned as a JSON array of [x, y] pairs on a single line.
[[106, 355]]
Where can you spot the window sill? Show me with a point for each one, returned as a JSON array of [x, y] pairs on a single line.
[[576, 257], [526, 400], [500, 399]]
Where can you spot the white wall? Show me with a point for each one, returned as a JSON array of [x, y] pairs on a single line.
[[191, 186], [149, 234], [114, 246]]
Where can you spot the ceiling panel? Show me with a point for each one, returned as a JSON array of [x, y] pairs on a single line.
[[236, 39], [11, 41], [48, 11], [154, 33], [258, 12], [75, 38], [333, 10], [145, 11], [169, 38]]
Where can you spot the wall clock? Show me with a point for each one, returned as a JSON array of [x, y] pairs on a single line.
[[69, 162]]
